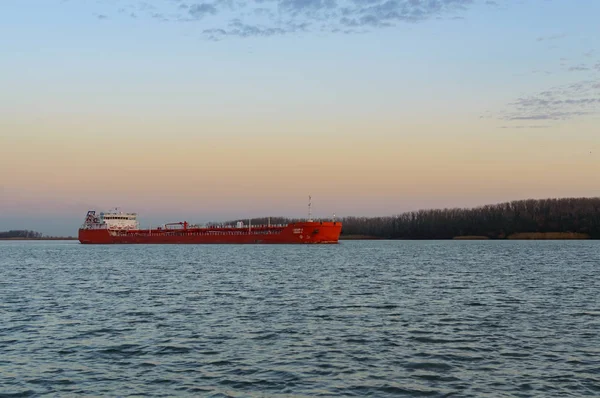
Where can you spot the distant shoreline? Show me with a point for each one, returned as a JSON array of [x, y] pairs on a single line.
[[516, 236], [361, 237], [57, 238], [531, 219]]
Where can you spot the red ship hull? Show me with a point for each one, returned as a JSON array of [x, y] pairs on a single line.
[[296, 233]]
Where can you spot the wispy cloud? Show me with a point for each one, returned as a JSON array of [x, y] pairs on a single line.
[[558, 103], [578, 68], [591, 67], [240, 29], [552, 37], [564, 102], [525, 127], [223, 18], [201, 10]]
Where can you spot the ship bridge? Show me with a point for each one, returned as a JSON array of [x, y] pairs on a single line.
[[119, 220]]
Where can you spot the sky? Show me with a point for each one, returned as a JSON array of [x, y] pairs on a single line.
[[214, 110]]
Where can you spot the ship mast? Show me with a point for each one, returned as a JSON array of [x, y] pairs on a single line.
[[309, 209]]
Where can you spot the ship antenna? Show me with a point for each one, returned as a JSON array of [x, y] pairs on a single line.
[[309, 209]]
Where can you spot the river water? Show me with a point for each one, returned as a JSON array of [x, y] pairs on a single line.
[[377, 318]]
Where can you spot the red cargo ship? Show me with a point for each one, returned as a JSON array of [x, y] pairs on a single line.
[[117, 227]]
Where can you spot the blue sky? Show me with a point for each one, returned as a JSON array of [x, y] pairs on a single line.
[[437, 50], [461, 84]]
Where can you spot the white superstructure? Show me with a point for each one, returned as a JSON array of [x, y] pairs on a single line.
[[120, 220], [114, 220]]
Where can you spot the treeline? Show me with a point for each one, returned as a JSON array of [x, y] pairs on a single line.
[[574, 215], [20, 234], [499, 221]]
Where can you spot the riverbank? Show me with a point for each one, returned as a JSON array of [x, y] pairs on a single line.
[[548, 236], [359, 237], [516, 236], [49, 238]]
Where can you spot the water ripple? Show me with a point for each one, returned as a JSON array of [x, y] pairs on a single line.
[[357, 319]]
